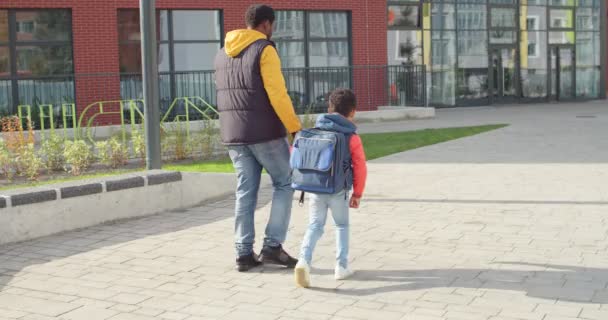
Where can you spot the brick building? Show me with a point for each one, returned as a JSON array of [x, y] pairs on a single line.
[[84, 51]]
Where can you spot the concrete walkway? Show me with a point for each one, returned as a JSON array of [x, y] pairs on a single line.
[[507, 225]]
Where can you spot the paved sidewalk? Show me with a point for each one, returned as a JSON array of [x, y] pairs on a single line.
[[507, 225]]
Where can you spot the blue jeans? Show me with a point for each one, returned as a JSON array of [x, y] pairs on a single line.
[[319, 205], [248, 161]]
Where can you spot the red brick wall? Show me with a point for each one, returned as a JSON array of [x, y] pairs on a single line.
[[95, 37]]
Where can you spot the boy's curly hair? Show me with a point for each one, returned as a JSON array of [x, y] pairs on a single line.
[[342, 101]]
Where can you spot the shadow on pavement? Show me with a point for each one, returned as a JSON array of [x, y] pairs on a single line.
[[18, 257], [464, 201], [553, 282]]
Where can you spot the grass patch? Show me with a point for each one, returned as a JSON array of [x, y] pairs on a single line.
[[217, 166], [378, 145], [68, 179]]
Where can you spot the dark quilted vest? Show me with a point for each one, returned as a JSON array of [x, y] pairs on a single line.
[[246, 115]]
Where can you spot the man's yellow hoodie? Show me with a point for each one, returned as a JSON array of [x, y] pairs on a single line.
[[270, 65]]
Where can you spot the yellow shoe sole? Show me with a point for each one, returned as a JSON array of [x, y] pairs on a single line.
[[302, 279]]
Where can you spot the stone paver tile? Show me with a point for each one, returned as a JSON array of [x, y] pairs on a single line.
[[320, 307], [522, 315], [101, 304], [89, 313], [206, 310], [124, 308], [12, 314], [297, 314], [240, 315], [359, 313], [35, 305], [151, 312], [593, 314], [164, 304], [128, 298], [174, 316], [132, 316], [562, 311]]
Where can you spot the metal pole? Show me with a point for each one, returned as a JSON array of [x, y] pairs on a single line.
[[149, 60]]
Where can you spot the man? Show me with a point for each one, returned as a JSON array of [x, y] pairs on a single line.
[[255, 114]]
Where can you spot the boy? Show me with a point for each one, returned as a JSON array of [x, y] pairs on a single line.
[[342, 108]]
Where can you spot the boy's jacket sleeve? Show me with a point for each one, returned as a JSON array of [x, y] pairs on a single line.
[[274, 83]]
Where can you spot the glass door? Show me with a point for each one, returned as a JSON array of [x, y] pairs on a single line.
[[503, 74], [562, 72]]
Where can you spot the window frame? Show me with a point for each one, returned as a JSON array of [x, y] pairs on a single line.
[[411, 3], [308, 39], [170, 41], [13, 43]]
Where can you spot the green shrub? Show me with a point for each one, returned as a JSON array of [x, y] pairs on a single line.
[[78, 156], [52, 151], [29, 162], [139, 145], [112, 152], [7, 162]]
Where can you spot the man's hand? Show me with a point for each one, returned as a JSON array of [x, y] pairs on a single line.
[[355, 202]]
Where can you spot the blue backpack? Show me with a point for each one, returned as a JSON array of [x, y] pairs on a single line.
[[321, 162]]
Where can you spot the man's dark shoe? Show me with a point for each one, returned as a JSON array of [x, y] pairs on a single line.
[[245, 263], [276, 255]]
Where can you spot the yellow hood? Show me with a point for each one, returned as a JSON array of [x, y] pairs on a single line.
[[239, 40]]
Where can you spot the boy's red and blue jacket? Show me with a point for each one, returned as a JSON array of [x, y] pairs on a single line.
[[338, 123]]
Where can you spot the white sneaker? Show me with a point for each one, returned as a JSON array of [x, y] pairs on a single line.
[[302, 274], [343, 273]]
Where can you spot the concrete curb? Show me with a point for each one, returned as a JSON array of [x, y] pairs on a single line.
[[27, 214]]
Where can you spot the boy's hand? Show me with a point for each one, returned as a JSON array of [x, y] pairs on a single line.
[[355, 202]]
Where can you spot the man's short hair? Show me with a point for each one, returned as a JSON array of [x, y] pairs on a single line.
[[342, 101], [257, 14]]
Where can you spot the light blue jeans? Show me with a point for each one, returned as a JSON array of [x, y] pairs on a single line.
[[248, 161], [319, 205]]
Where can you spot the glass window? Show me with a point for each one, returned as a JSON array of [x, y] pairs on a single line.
[[588, 64], [561, 19], [195, 56], [534, 64], [536, 18], [130, 58], [3, 26], [328, 24], [41, 42], [292, 54], [502, 37], [189, 44], [43, 25], [44, 60], [471, 16], [443, 59], [587, 19], [128, 25], [289, 37], [405, 46], [472, 75], [404, 16], [5, 97], [443, 16], [5, 62], [289, 25], [561, 37], [196, 25], [329, 54], [503, 18]]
